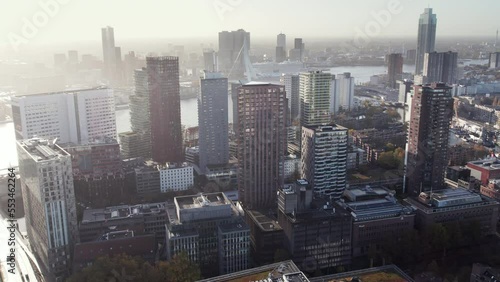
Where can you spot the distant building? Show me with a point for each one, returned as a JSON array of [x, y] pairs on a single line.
[[71, 116], [280, 48], [411, 56], [213, 121], [315, 92], [324, 158], [404, 89], [137, 143], [49, 204], [426, 39], [165, 109], [314, 230], [378, 218], [261, 142], [291, 165], [491, 190], [211, 230], [484, 170], [111, 55], [431, 113], [455, 205], [231, 54], [210, 60], [494, 60], [342, 93], [297, 53], [234, 97], [292, 89], [440, 67], [394, 69], [355, 157]]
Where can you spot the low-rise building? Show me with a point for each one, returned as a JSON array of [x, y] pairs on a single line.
[[175, 177], [144, 246], [492, 190], [455, 205], [484, 170], [212, 232], [141, 219], [377, 217], [147, 180], [317, 233]]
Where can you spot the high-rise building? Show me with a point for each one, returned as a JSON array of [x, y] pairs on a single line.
[[59, 60], [411, 56], [165, 109], [234, 97], [394, 69], [71, 116], [342, 92], [280, 48], [440, 67], [261, 143], [494, 59], [426, 37], [297, 53], [210, 60], [431, 113], [324, 158], [49, 204], [72, 56], [315, 92], [109, 52], [213, 139], [233, 48], [292, 86], [281, 40], [137, 143]]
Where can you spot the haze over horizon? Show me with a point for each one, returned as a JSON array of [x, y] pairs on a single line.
[[78, 21]]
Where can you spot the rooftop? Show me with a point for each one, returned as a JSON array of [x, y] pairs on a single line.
[[203, 200], [386, 273], [488, 164], [265, 222], [42, 149], [365, 192], [448, 198], [276, 272], [376, 209], [120, 212]]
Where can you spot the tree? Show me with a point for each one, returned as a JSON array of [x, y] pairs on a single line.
[[111, 269], [180, 269]]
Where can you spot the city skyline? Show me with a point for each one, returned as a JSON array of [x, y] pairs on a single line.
[[62, 22]]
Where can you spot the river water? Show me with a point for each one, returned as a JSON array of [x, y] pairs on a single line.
[[189, 110]]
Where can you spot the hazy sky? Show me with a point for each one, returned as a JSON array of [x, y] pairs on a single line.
[[82, 19]]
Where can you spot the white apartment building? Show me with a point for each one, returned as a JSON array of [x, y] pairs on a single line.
[[71, 116], [175, 177]]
